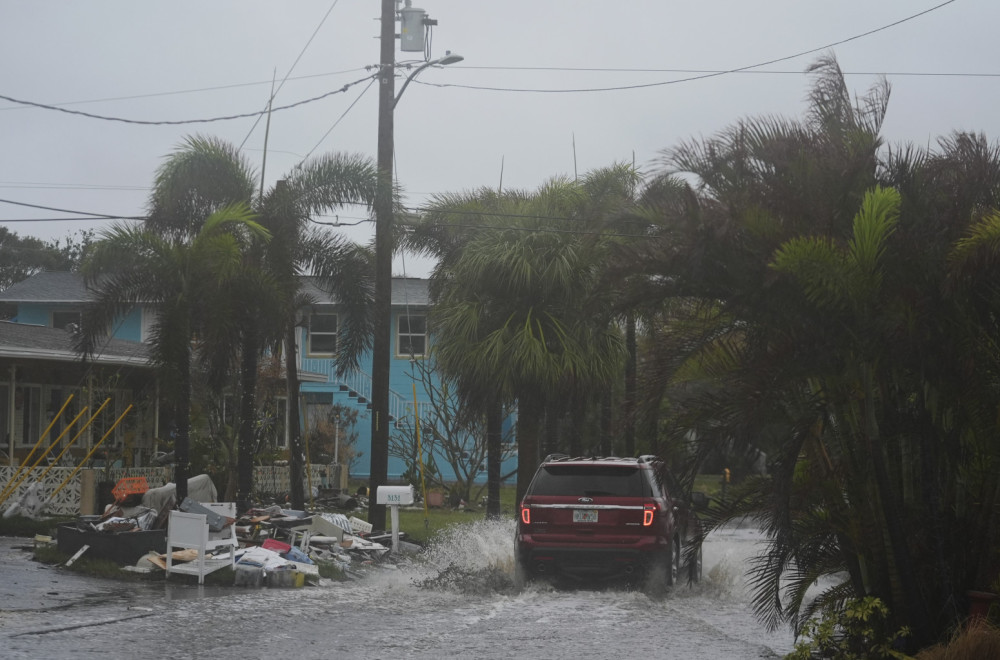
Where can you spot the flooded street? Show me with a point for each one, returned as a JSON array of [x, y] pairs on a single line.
[[456, 601]]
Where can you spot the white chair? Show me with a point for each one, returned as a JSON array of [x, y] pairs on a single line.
[[190, 531]]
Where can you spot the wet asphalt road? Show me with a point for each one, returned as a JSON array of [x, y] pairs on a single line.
[[411, 611]]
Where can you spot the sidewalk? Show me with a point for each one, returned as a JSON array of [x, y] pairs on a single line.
[[29, 585]]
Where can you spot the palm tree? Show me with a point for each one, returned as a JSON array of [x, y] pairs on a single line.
[[516, 308], [205, 173], [847, 328], [180, 277]]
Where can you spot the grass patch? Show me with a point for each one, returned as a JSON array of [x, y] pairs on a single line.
[[710, 484], [420, 528]]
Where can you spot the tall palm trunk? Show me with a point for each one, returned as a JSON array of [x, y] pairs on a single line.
[[494, 431], [182, 452], [607, 442], [248, 383], [528, 424], [297, 456], [892, 516], [628, 406]]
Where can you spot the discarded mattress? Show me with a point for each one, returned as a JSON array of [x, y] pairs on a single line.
[[200, 489]]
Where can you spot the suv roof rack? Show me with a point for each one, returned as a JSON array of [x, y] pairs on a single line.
[[645, 458]]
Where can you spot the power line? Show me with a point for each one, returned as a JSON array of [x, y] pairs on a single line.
[[196, 90], [41, 185], [339, 119], [94, 216], [795, 72], [701, 76], [102, 218], [244, 115], [274, 93]]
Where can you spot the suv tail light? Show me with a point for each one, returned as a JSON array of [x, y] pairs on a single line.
[[648, 514], [525, 515]]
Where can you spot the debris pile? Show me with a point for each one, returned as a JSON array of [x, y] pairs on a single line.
[[264, 546]]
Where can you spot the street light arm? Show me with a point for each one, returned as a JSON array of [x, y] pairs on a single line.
[[408, 79], [449, 58]]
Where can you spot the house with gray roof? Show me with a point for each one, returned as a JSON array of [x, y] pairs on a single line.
[[38, 365], [44, 385]]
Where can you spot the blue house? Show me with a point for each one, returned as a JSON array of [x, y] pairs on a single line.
[[55, 300]]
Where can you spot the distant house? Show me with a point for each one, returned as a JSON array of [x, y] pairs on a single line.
[[50, 303]]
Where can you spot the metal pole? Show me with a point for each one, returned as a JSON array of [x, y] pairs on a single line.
[[379, 470]]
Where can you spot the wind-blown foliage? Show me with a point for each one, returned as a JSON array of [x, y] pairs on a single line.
[[832, 303], [259, 311], [181, 279], [518, 311]]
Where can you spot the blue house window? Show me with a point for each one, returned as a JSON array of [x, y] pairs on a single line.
[[411, 335], [322, 334]]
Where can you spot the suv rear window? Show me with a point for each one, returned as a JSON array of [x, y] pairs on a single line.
[[589, 481]]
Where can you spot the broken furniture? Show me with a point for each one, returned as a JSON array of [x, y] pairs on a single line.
[[191, 531], [123, 548]]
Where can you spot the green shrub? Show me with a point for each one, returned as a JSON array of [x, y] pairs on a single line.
[[859, 631]]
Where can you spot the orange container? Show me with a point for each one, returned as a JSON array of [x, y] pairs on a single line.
[[129, 486]]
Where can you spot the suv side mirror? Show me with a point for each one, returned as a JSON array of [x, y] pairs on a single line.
[[699, 500]]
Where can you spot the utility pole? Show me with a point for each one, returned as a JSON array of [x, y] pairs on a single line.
[[383, 266]]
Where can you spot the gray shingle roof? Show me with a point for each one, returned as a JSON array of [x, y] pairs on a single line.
[[35, 341], [47, 287], [62, 287], [405, 291]]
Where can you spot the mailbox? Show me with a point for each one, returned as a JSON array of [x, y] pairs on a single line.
[[394, 495]]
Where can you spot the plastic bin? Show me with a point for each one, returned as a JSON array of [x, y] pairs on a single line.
[[248, 575]]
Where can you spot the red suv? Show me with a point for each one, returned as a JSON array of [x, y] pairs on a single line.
[[603, 518]]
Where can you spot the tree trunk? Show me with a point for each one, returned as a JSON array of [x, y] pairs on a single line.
[[607, 448], [628, 406], [528, 423], [245, 435], [494, 431], [182, 452], [892, 518], [576, 424], [297, 458], [550, 443]]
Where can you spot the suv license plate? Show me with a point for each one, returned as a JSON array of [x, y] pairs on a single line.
[[584, 515]]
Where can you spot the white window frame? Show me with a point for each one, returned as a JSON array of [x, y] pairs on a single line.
[[400, 335], [324, 333]]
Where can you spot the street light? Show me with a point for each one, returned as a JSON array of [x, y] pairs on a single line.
[[449, 58], [382, 340]]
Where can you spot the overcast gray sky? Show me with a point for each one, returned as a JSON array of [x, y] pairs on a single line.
[[159, 60]]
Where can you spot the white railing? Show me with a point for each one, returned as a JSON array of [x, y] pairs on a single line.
[[359, 384]]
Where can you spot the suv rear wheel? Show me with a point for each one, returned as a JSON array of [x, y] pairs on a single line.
[[694, 566], [665, 569]]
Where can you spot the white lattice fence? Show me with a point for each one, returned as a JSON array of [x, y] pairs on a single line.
[[269, 481], [274, 480], [67, 500]]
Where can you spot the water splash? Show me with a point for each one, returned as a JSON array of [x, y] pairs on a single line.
[[472, 558]]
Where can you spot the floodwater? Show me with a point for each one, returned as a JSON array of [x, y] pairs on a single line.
[[456, 600]]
